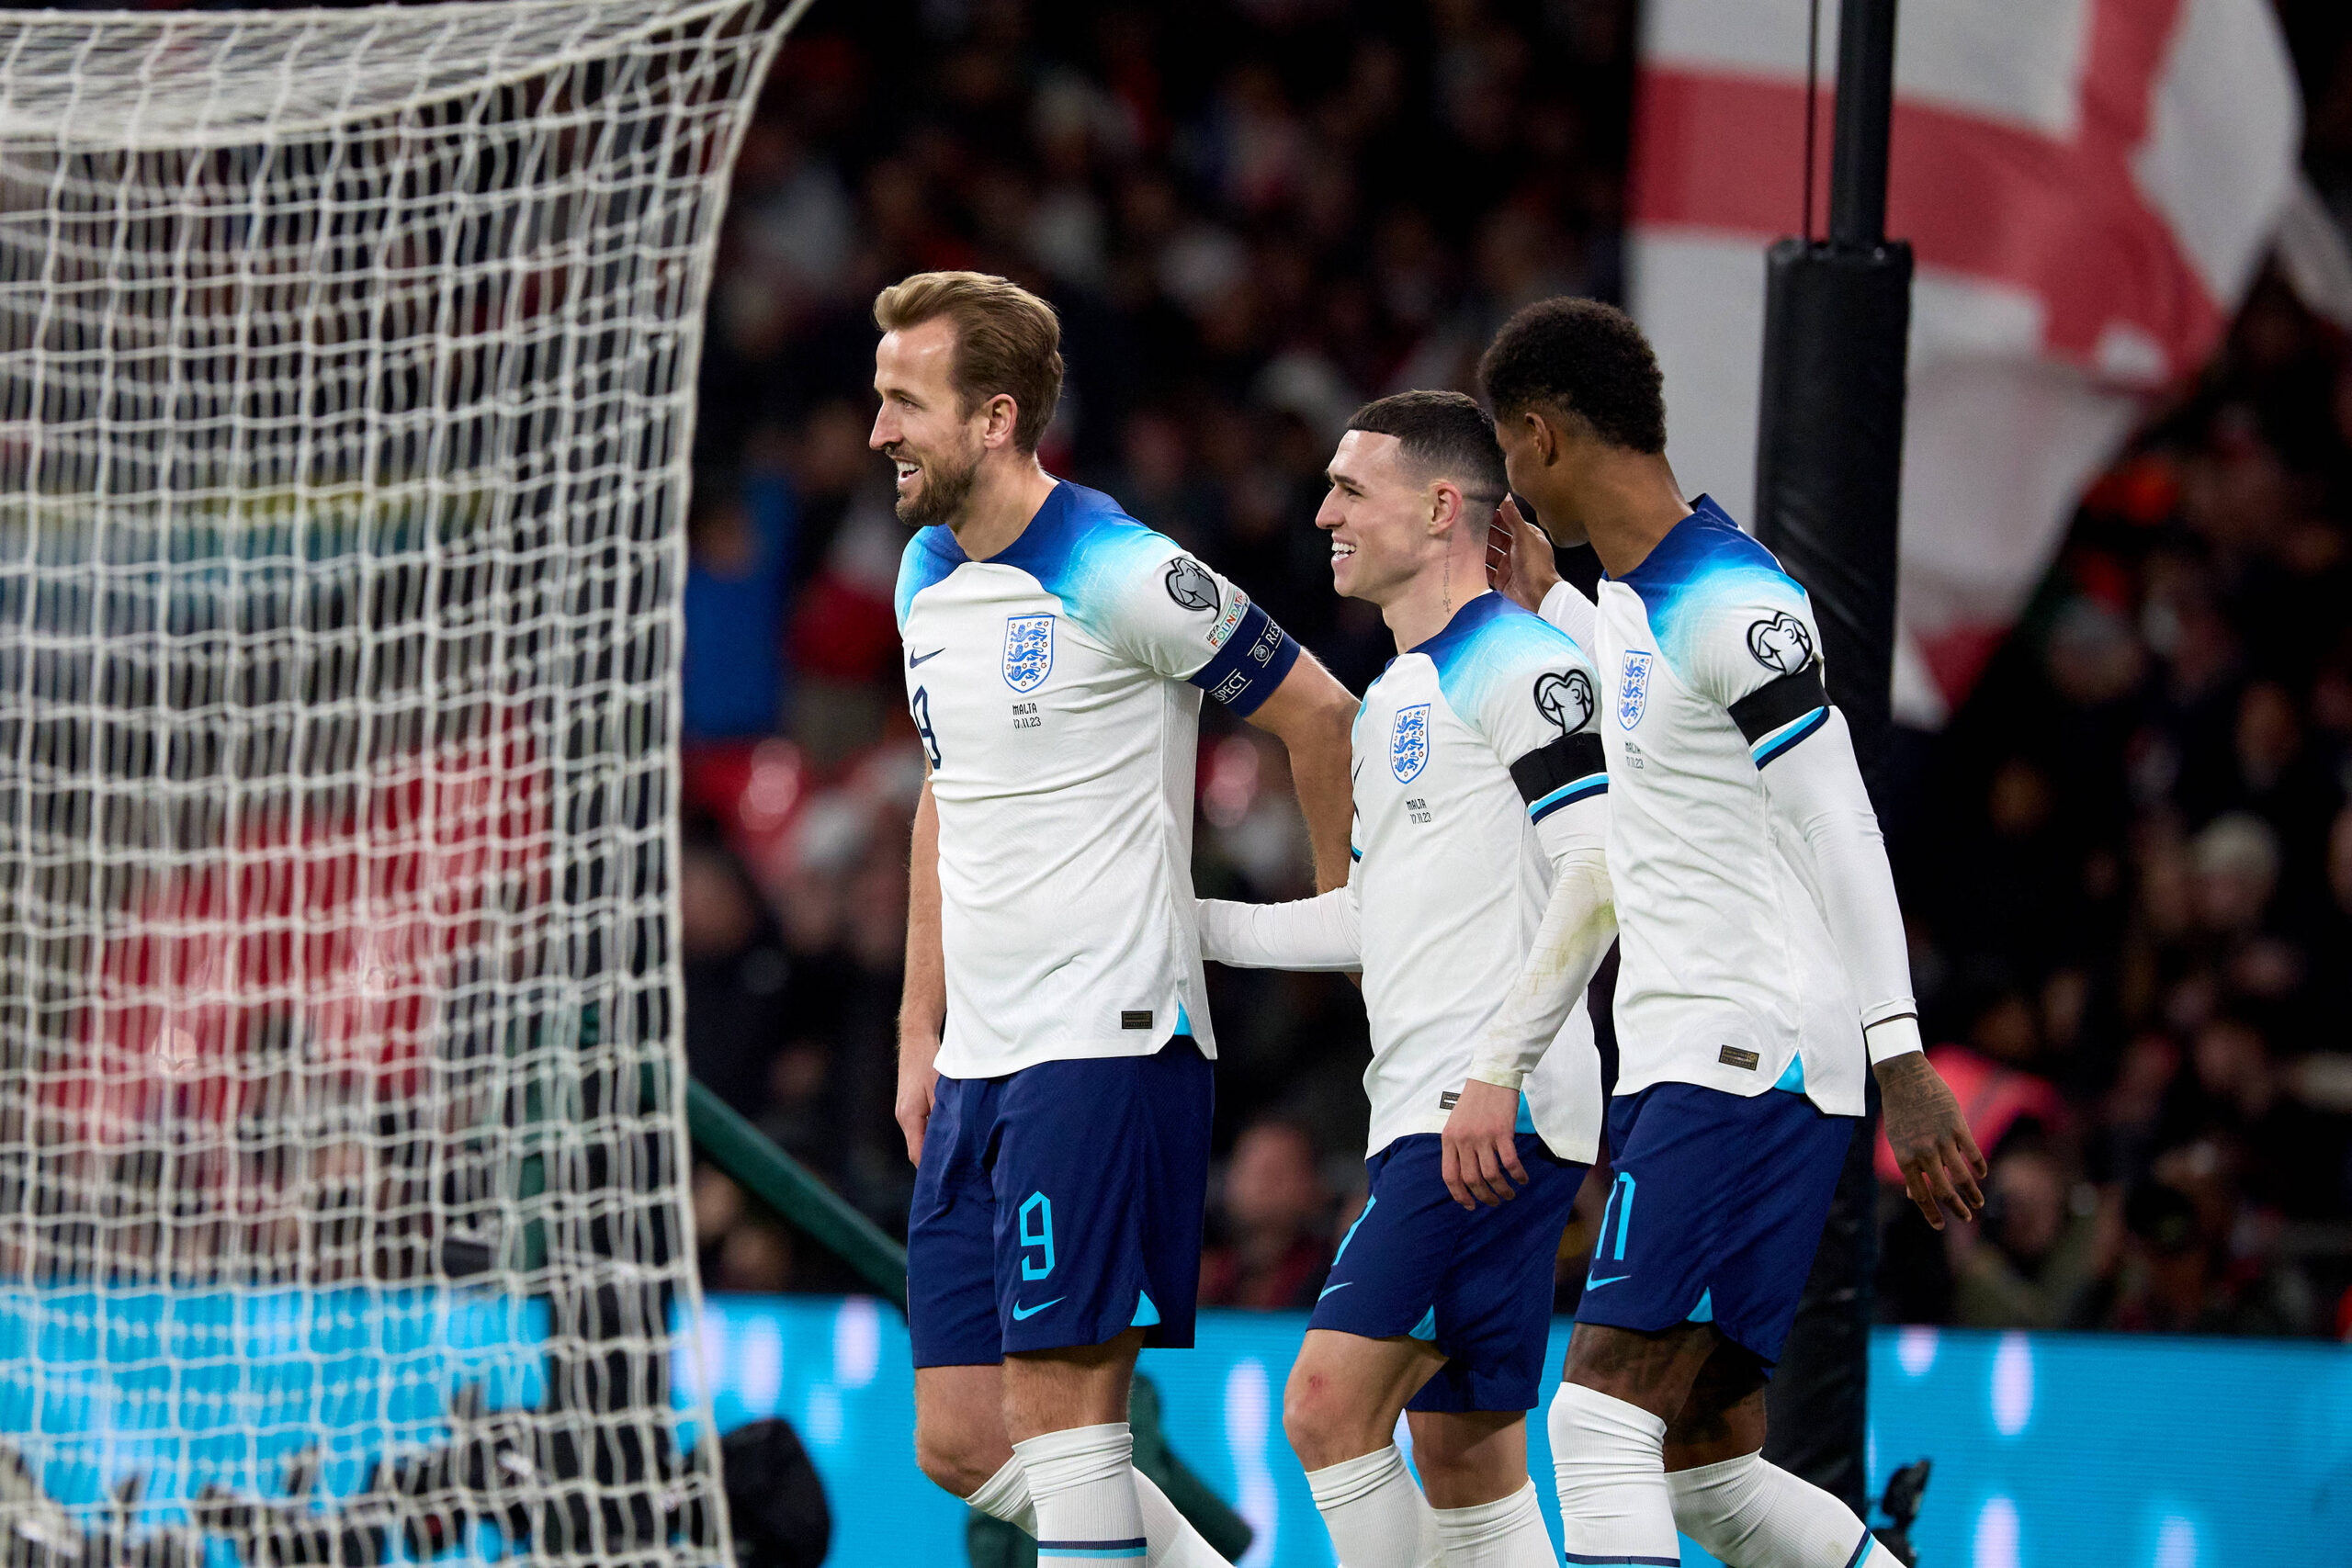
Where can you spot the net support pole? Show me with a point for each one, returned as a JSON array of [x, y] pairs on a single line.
[[1829, 465]]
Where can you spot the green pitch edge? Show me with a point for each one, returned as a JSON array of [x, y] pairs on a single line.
[[783, 1184]]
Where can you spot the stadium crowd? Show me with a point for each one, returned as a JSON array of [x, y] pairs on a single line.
[[2128, 860]]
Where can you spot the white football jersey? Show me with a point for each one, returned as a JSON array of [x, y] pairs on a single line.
[[1728, 978], [1465, 749], [1056, 688]]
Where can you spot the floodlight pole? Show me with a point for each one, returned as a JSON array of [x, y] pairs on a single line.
[[1828, 486]]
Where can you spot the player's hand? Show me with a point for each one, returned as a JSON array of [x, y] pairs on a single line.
[[1520, 562], [1481, 1145], [918, 1089], [1930, 1139]]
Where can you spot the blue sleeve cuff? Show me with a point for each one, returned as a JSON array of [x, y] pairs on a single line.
[[1250, 665]]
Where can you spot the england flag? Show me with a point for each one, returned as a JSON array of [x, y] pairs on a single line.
[[2090, 186]]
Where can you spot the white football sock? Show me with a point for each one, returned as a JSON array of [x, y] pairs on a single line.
[[1748, 1512], [1506, 1534], [1378, 1517], [1171, 1540], [1611, 1460], [1081, 1482], [1005, 1495]]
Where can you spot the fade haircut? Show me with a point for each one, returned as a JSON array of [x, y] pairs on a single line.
[[1583, 359], [1441, 435], [1007, 342]]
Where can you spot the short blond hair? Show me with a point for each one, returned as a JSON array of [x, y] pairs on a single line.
[[1007, 342]]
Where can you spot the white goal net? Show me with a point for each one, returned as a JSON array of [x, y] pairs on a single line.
[[346, 365]]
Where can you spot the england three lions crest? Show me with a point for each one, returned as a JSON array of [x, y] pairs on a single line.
[[1028, 651], [1634, 689], [1408, 742]]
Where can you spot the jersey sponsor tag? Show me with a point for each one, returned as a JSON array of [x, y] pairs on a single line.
[[1634, 689], [1135, 1017], [1781, 644], [1449, 1099], [1564, 699], [1733, 1056], [1190, 584], [1408, 742], [1028, 651]]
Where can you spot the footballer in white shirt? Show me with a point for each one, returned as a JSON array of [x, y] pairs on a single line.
[[1054, 1044], [1481, 795], [1763, 970]]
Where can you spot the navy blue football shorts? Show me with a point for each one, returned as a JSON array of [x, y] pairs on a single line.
[[1476, 1283], [1060, 1205], [1714, 1211]]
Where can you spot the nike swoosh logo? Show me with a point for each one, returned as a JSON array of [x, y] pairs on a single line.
[[914, 659], [1592, 1284], [1022, 1313], [1341, 1286]]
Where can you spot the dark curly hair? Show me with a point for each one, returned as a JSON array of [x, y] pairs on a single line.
[[1581, 357]]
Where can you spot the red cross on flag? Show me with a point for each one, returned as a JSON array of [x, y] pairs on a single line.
[[2089, 186]]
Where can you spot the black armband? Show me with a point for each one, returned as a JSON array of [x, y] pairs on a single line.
[[1252, 662], [1560, 773], [1779, 713]]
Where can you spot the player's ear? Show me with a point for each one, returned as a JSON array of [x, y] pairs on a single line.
[[1446, 506], [999, 415], [1543, 435]]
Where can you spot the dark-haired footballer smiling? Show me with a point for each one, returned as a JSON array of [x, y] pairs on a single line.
[[1763, 972]]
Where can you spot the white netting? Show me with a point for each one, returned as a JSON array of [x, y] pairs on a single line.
[[346, 362]]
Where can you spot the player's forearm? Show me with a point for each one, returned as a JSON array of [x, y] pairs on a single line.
[[1319, 773], [923, 1003], [1306, 934], [1578, 923], [1312, 713], [1815, 788]]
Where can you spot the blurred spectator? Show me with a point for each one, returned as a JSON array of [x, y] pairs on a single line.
[[739, 1250], [2173, 1278], [739, 542], [845, 636], [730, 953], [2029, 1261], [2331, 975], [1272, 1226]]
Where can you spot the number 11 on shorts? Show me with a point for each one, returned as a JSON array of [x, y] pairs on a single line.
[[1621, 1204]]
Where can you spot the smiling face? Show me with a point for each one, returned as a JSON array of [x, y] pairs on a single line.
[[1387, 523], [922, 426]]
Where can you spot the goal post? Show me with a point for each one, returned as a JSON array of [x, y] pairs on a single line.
[[347, 375]]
